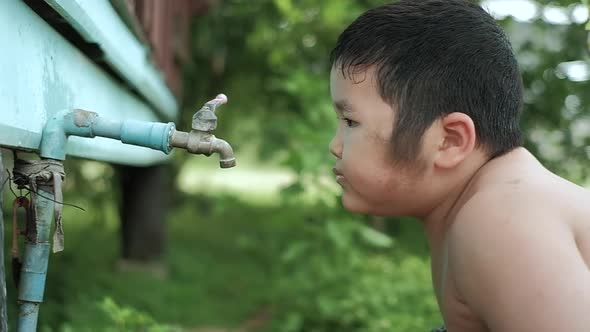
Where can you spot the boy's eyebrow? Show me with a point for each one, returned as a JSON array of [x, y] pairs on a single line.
[[343, 106]]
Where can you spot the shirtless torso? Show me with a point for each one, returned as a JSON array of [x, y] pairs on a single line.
[[514, 211]]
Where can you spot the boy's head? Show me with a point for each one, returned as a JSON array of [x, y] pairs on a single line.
[[444, 70]]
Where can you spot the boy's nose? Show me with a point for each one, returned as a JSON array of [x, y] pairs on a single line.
[[336, 147]]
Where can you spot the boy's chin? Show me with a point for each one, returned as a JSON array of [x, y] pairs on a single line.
[[354, 206]]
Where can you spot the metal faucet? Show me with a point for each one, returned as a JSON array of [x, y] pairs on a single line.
[[200, 139], [155, 135]]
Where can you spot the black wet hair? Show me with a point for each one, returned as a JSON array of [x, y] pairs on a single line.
[[432, 58]]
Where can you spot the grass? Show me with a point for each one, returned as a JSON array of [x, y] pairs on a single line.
[[210, 278]]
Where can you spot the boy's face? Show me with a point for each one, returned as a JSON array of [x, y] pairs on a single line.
[[372, 182]]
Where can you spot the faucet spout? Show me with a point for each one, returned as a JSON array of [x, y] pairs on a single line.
[[200, 139], [205, 143], [225, 151]]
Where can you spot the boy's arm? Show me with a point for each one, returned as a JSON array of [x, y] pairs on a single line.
[[520, 270]]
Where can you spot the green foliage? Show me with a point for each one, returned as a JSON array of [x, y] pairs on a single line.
[[308, 266], [316, 267], [129, 319], [274, 69], [271, 58], [122, 319], [117, 318], [342, 275], [556, 108]]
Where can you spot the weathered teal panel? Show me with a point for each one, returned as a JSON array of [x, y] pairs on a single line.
[[3, 315], [98, 22], [41, 73]]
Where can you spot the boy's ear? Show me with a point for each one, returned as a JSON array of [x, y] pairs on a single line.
[[457, 139]]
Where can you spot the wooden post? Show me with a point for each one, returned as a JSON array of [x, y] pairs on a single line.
[[144, 205]]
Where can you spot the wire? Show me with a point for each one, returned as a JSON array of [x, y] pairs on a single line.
[[53, 200], [36, 193]]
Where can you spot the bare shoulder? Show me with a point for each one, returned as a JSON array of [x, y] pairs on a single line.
[[514, 257], [519, 197], [505, 219], [517, 194], [519, 183]]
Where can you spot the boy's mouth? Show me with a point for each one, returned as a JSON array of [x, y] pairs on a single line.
[[339, 176]]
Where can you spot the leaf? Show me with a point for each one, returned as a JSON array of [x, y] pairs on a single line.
[[294, 251], [338, 234], [375, 238]]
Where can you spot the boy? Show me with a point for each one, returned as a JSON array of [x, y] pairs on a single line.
[[428, 94]]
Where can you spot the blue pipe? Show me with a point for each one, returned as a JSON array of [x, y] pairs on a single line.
[[81, 123], [53, 146], [34, 268]]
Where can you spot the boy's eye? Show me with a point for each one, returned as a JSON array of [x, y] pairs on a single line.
[[350, 123]]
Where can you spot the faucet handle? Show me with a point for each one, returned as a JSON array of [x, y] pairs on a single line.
[[218, 101], [205, 119]]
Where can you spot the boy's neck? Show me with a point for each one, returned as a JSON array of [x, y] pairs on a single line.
[[439, 220]]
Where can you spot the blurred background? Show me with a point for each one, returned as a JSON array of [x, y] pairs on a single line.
[[266, 246]]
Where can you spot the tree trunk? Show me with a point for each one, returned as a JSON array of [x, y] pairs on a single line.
[[145, 193]]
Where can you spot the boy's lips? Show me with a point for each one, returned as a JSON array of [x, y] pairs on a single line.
[[338, 173]]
